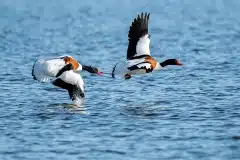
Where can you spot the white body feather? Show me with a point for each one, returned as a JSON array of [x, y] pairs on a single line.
[[72, 78], [122, 67]]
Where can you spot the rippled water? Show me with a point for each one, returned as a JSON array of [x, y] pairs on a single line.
[[189, 112]]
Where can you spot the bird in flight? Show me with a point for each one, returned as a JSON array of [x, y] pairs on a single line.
[[63, 72], [139, 59]]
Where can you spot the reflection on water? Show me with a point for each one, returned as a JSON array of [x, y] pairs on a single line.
[[73, 108]]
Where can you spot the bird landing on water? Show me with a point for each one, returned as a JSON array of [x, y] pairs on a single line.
[[63, 72]]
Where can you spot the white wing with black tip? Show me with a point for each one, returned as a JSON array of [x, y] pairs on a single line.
[[46, 69], [138, 37]]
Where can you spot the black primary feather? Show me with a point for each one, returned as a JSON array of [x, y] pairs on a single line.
[[138, 29]]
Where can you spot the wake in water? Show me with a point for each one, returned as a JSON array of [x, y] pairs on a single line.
[[76, 108]]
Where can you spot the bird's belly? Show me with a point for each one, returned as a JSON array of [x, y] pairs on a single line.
[[137, 71], [135, 61], [72, 78], [139, 63]]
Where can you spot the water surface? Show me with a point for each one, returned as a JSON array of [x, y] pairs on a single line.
[[189, 112]]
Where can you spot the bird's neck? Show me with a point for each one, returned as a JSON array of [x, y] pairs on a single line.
[[158, 66], [165, 63]]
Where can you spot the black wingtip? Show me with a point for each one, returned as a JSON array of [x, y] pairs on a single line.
[[148, 16], [138, 29], [141, 18], [142, 15]]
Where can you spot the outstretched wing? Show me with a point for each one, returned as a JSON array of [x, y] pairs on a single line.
[[138, 37], [45, 69]]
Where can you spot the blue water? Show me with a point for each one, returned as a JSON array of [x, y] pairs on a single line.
[[189, 112]]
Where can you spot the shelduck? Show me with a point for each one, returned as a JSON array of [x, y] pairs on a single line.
[[139, 59], [63, 72]]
